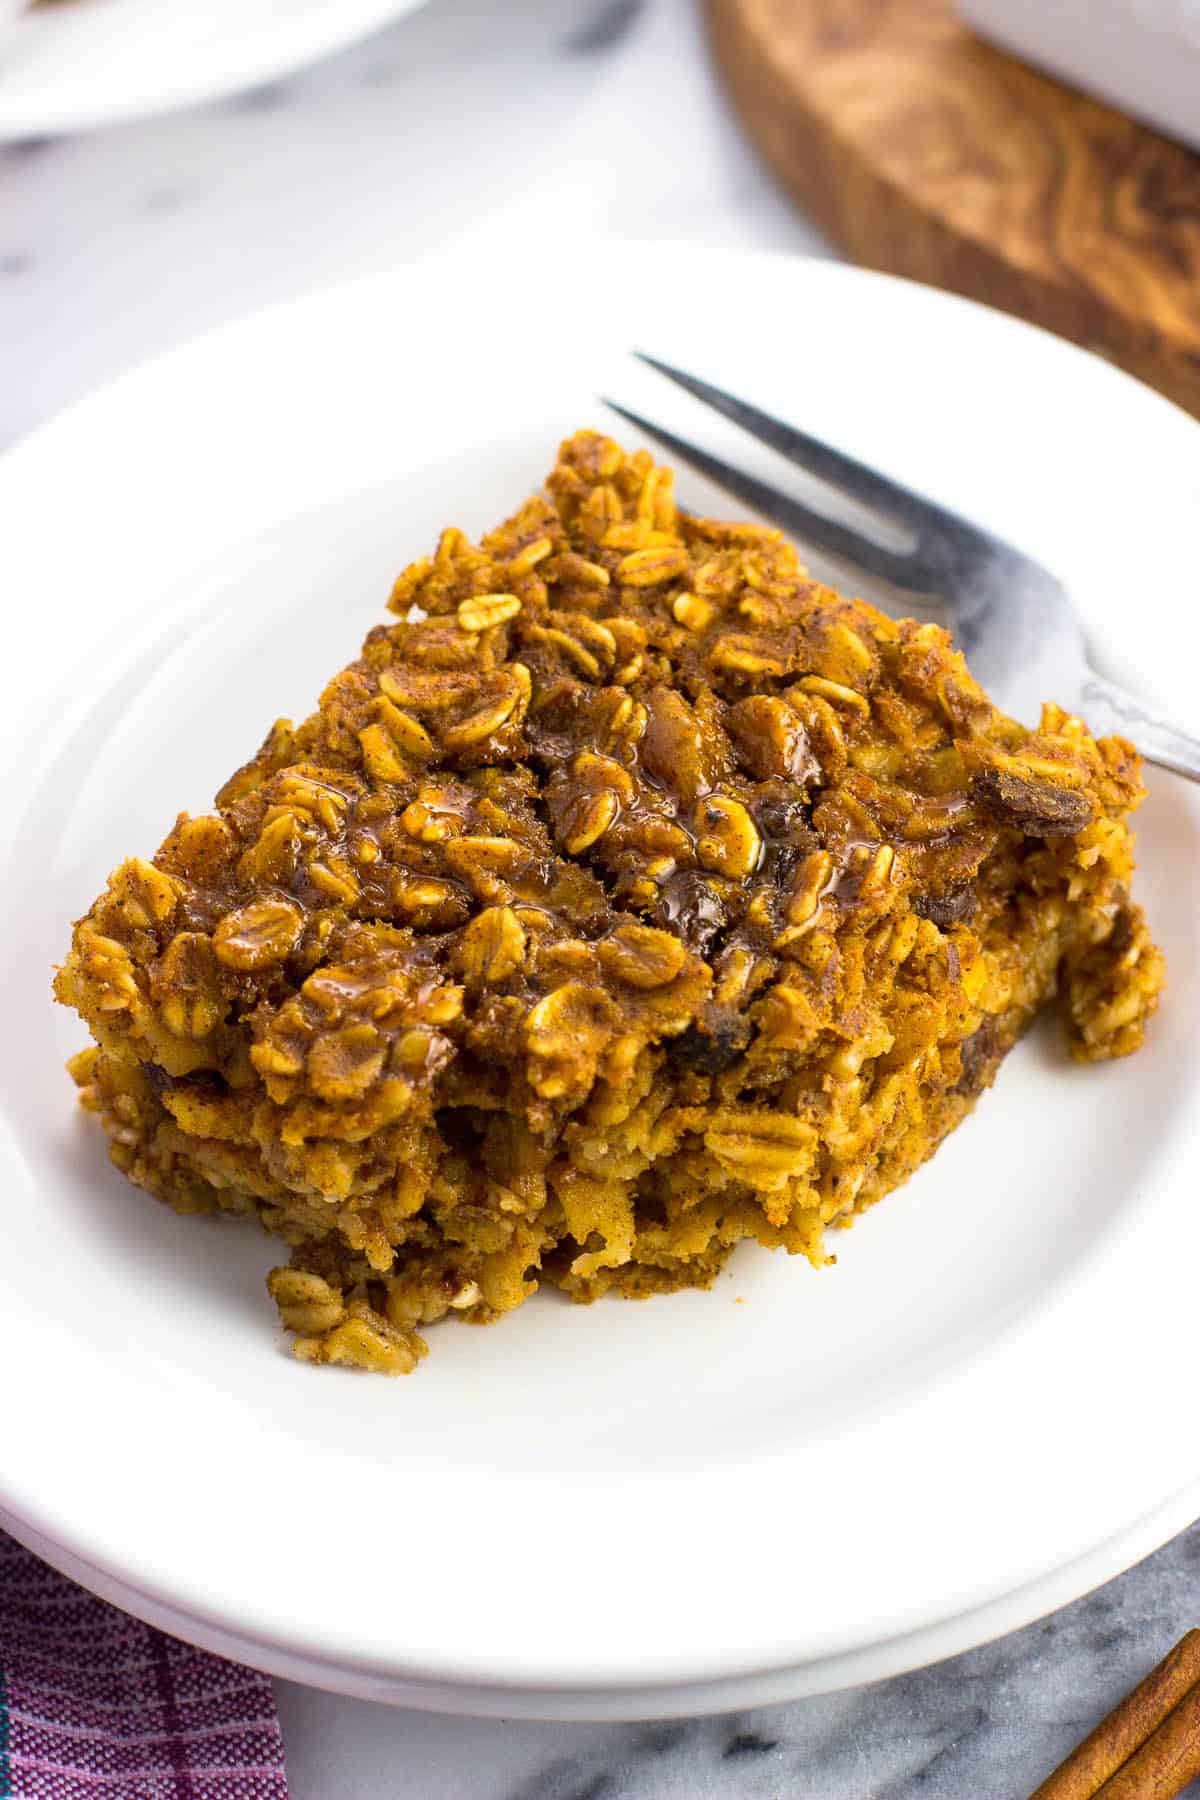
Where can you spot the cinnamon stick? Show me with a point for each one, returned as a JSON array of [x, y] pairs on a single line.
[[1088, 1771], [1166, 1763]]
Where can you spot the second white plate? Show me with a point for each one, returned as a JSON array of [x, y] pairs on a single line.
[[85, 63]]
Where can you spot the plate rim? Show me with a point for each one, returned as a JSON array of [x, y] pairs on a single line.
[[885, 1660]]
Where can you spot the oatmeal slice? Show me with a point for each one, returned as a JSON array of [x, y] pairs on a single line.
[[631, 894]]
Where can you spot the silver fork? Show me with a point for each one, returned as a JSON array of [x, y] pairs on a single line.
[[1010, 616]]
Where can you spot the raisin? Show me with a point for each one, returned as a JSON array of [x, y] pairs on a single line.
[[692, 909], [1038, 808], [711, 1044], [978, 1056], [953, 906]]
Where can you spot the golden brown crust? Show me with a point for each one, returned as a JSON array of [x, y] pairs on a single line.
[[630, 895]]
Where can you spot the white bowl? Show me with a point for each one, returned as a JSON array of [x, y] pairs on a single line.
[[1140, 55]]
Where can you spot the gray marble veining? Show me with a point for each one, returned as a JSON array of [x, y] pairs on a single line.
[[476, 120], [602, 30]]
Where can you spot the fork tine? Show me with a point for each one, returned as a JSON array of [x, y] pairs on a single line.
[[800, 520], [820, 459]]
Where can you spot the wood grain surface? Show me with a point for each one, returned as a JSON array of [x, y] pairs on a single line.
[[923, 152]]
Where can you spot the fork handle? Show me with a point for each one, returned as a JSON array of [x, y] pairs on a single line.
[[1109, 708]]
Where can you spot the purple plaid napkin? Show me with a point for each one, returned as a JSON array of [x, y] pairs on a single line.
[[96, 1706]]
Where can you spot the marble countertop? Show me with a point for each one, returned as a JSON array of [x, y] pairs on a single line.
[[477, 121]]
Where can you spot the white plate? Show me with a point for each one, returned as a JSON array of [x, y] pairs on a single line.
[[78, 64], [985, 1407]]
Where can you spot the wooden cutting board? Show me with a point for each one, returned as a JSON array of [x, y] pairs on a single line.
[[923, 152]]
